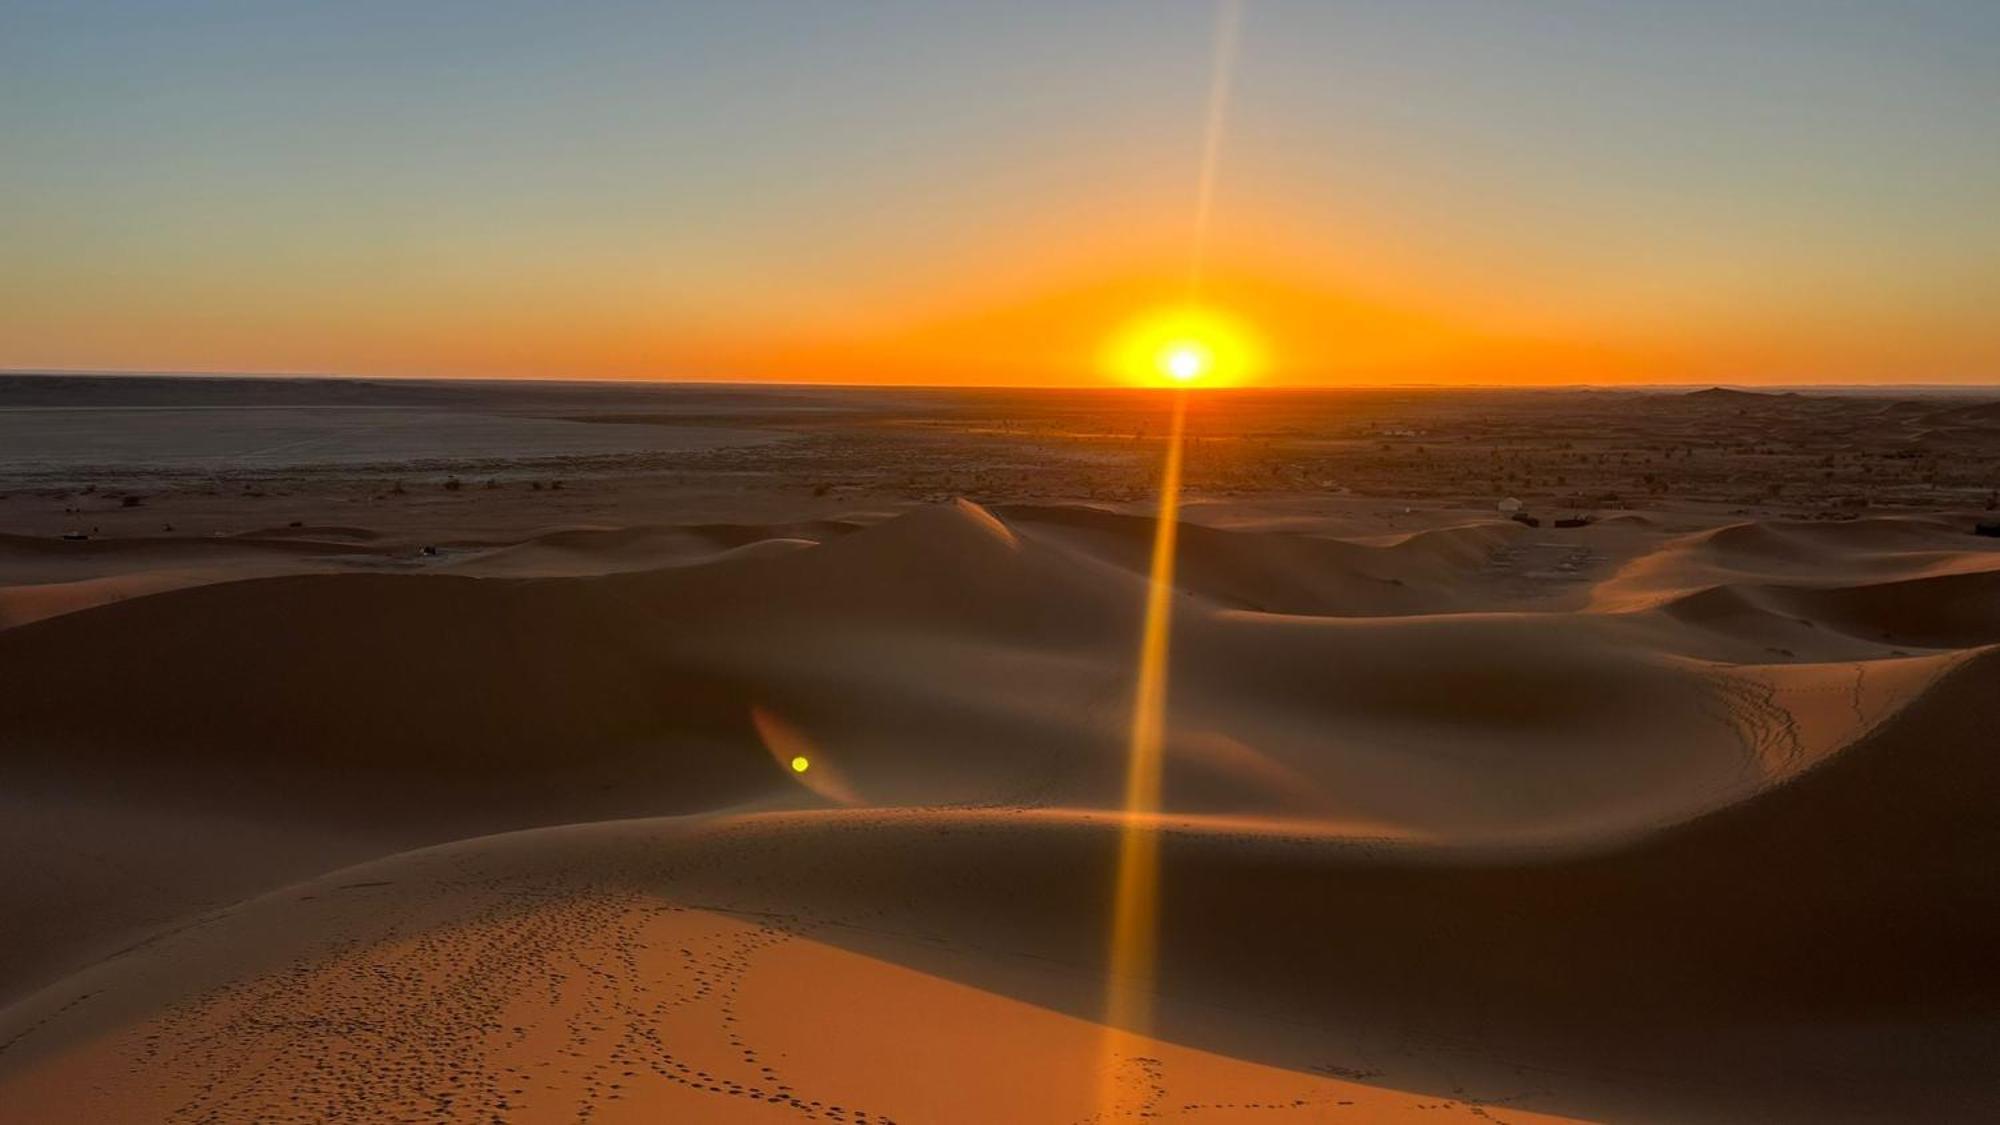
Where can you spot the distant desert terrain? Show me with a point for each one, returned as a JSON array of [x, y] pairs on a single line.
[[411, 751]]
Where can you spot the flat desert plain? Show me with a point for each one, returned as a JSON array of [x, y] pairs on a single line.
[[418, 751]]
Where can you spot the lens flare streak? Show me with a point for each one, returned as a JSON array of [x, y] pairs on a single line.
[[1135, 898], [1182, 356]]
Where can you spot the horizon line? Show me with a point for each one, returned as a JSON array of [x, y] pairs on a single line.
[[162, 373]]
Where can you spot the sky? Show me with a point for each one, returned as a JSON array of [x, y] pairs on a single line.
[[1488, 191]]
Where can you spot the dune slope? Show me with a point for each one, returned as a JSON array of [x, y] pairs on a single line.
[[1675, 855]]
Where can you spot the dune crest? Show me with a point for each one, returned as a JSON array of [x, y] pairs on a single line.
[[1407, 803]]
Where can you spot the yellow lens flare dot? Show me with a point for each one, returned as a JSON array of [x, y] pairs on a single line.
[[800, 764]]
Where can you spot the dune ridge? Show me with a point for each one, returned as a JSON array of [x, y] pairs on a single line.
[[1408, 804]]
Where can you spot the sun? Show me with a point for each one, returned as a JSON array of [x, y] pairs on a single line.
[[1184, 346], [1184, 360]]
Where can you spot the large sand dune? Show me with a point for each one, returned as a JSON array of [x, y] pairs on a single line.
[[1619, 822]]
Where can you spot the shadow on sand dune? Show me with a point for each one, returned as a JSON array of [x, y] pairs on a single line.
[[1528, 835]]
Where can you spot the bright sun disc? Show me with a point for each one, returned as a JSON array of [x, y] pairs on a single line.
[[1184, 361], [1182, 346], [800, 764]]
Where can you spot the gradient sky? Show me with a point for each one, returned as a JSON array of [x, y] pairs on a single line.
[[939, 192]]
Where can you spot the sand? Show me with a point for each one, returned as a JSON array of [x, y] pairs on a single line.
[[474, 804]]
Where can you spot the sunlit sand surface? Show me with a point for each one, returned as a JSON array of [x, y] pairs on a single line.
[[619, 1008], [788, 778]]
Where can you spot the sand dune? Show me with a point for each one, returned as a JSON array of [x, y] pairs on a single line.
[[579, 551], [1711, 815], [1855, 552], [945, 619], [1378, 956], [1418, 572], [42, 577]]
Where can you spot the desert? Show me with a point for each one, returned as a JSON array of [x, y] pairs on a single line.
[[349, 786], [933, 562]]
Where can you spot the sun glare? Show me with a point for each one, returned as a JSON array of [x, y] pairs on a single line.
[[1184, 361], [1184, 346]]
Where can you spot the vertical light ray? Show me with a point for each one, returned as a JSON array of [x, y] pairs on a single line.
[[1221, 78], [1134, 947], [1135, 902], [1128, 1009]]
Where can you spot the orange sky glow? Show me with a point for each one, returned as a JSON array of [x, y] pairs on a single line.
[[1480, 193]]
